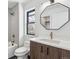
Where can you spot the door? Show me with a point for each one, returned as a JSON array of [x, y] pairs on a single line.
[[52, 53], [34, 50], [42, 51], [37, 51], [65, 54]]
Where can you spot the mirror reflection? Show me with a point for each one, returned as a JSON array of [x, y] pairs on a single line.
[[54, 16]]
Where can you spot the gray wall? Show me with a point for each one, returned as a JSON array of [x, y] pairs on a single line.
[[9, 25], [13, 24]]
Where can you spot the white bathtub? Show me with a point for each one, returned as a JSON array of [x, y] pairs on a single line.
[[11, 49]]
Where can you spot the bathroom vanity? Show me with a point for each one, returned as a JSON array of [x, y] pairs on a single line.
[[53, 17], [43, 50]]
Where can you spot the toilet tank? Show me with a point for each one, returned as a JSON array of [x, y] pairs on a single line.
[[27, 44]]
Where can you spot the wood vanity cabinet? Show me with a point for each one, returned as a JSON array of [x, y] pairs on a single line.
[[41, 51], [64, 54], [37, 51]]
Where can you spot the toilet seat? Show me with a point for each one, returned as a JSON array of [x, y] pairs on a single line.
[[21, 51]]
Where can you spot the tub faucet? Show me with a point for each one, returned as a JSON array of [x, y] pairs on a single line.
[[51, 35], [13, 36], [12, 42]]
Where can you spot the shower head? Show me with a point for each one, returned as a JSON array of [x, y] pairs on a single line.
[[12, 13]]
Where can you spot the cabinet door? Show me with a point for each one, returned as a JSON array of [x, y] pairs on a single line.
[[65, 54], [37, 51], [42, 51], [34, 50], [52, 53]]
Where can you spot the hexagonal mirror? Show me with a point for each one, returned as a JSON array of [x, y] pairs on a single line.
[[55, 16]]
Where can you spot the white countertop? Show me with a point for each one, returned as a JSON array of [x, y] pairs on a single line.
[[55, 43]]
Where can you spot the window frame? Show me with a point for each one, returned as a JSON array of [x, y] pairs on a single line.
[[27, 12]]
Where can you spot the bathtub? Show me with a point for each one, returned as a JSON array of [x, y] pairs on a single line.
[[11, 49]]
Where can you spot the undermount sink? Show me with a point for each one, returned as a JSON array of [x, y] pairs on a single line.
[[51, 41]]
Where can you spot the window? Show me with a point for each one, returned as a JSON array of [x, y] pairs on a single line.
[[30, 22]]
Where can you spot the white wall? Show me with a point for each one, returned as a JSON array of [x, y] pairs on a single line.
[[21, 35], [62, 34], [9, 25], [14, 24], [65, 2]]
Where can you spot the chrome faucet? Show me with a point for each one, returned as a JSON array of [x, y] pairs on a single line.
[[51, 35], [13, 36]]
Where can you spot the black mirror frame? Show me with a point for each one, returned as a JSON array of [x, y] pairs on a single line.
[[63, 24]]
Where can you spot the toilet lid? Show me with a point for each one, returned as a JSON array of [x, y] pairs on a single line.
[[21, 50]]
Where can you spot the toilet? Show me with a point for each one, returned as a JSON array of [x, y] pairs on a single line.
[[22, 52]]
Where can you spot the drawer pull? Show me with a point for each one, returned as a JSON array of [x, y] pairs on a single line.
[[41, 49], [47, 51]]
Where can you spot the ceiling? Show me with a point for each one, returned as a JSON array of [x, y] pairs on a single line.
[[21, 1], [12, 3]]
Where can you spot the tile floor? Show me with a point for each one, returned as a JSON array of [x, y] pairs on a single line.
[[14, 57]]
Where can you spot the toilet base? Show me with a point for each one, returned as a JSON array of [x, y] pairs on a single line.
[[22, 57]]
